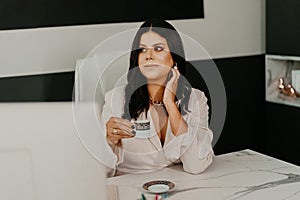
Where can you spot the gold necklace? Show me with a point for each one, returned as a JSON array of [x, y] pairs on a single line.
[[154, 102]]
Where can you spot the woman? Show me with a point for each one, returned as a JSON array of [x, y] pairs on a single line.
[[157, 91]]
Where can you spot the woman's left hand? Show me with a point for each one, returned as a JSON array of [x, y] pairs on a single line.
[[171, 87]]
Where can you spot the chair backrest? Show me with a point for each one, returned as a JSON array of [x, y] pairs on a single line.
[[93, 79]]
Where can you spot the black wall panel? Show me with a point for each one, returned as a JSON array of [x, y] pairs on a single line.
[[282, 123], [250, 122], [15, 14], [37, 88], [283, 27], [244, 84]]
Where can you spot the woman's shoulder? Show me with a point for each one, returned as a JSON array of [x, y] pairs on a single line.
[[197, 96], [197, 92]]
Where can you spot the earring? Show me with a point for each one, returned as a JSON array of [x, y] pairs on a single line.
[[175, 66]]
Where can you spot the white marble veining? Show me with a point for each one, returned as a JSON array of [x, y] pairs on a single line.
[[239, 175]]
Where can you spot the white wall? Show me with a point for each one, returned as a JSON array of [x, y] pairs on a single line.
[[230, 28]]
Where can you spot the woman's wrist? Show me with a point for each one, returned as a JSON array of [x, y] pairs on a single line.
[[113, 142], [178, 124], [170, 104]]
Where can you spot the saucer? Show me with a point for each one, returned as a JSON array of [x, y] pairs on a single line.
[[158, 186]]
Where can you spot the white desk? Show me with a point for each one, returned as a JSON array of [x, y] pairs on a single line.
[[239, 175]]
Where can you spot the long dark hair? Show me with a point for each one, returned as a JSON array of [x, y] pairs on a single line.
[[136, 92]]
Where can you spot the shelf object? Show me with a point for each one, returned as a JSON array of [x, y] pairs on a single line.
[[287, 68]]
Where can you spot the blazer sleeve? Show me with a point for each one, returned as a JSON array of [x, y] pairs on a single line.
[[196, 151], [194, 147], [115, 153]]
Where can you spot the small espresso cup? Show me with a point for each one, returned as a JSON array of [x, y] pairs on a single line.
[[142, 128]]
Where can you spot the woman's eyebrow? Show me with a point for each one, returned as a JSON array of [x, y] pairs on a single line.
[[159, 43]]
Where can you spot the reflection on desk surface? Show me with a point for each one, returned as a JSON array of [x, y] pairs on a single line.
[[239, 175]]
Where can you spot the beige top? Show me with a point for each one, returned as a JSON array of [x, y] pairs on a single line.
[[136, 155]]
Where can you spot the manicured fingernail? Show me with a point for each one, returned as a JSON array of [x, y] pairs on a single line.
[[133, 132], [132, 126]]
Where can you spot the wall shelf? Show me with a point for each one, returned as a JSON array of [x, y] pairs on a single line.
[[288, 68]]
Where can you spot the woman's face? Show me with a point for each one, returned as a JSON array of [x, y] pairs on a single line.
[[155, 59]]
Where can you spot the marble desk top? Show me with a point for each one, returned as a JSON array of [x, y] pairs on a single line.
[[239, 175]]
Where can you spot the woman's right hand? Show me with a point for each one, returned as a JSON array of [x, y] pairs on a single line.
[[118, 128]]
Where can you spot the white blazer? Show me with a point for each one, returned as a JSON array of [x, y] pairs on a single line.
[[192, 148]]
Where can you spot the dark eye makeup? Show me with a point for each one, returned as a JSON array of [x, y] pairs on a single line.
[[158, 48]]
